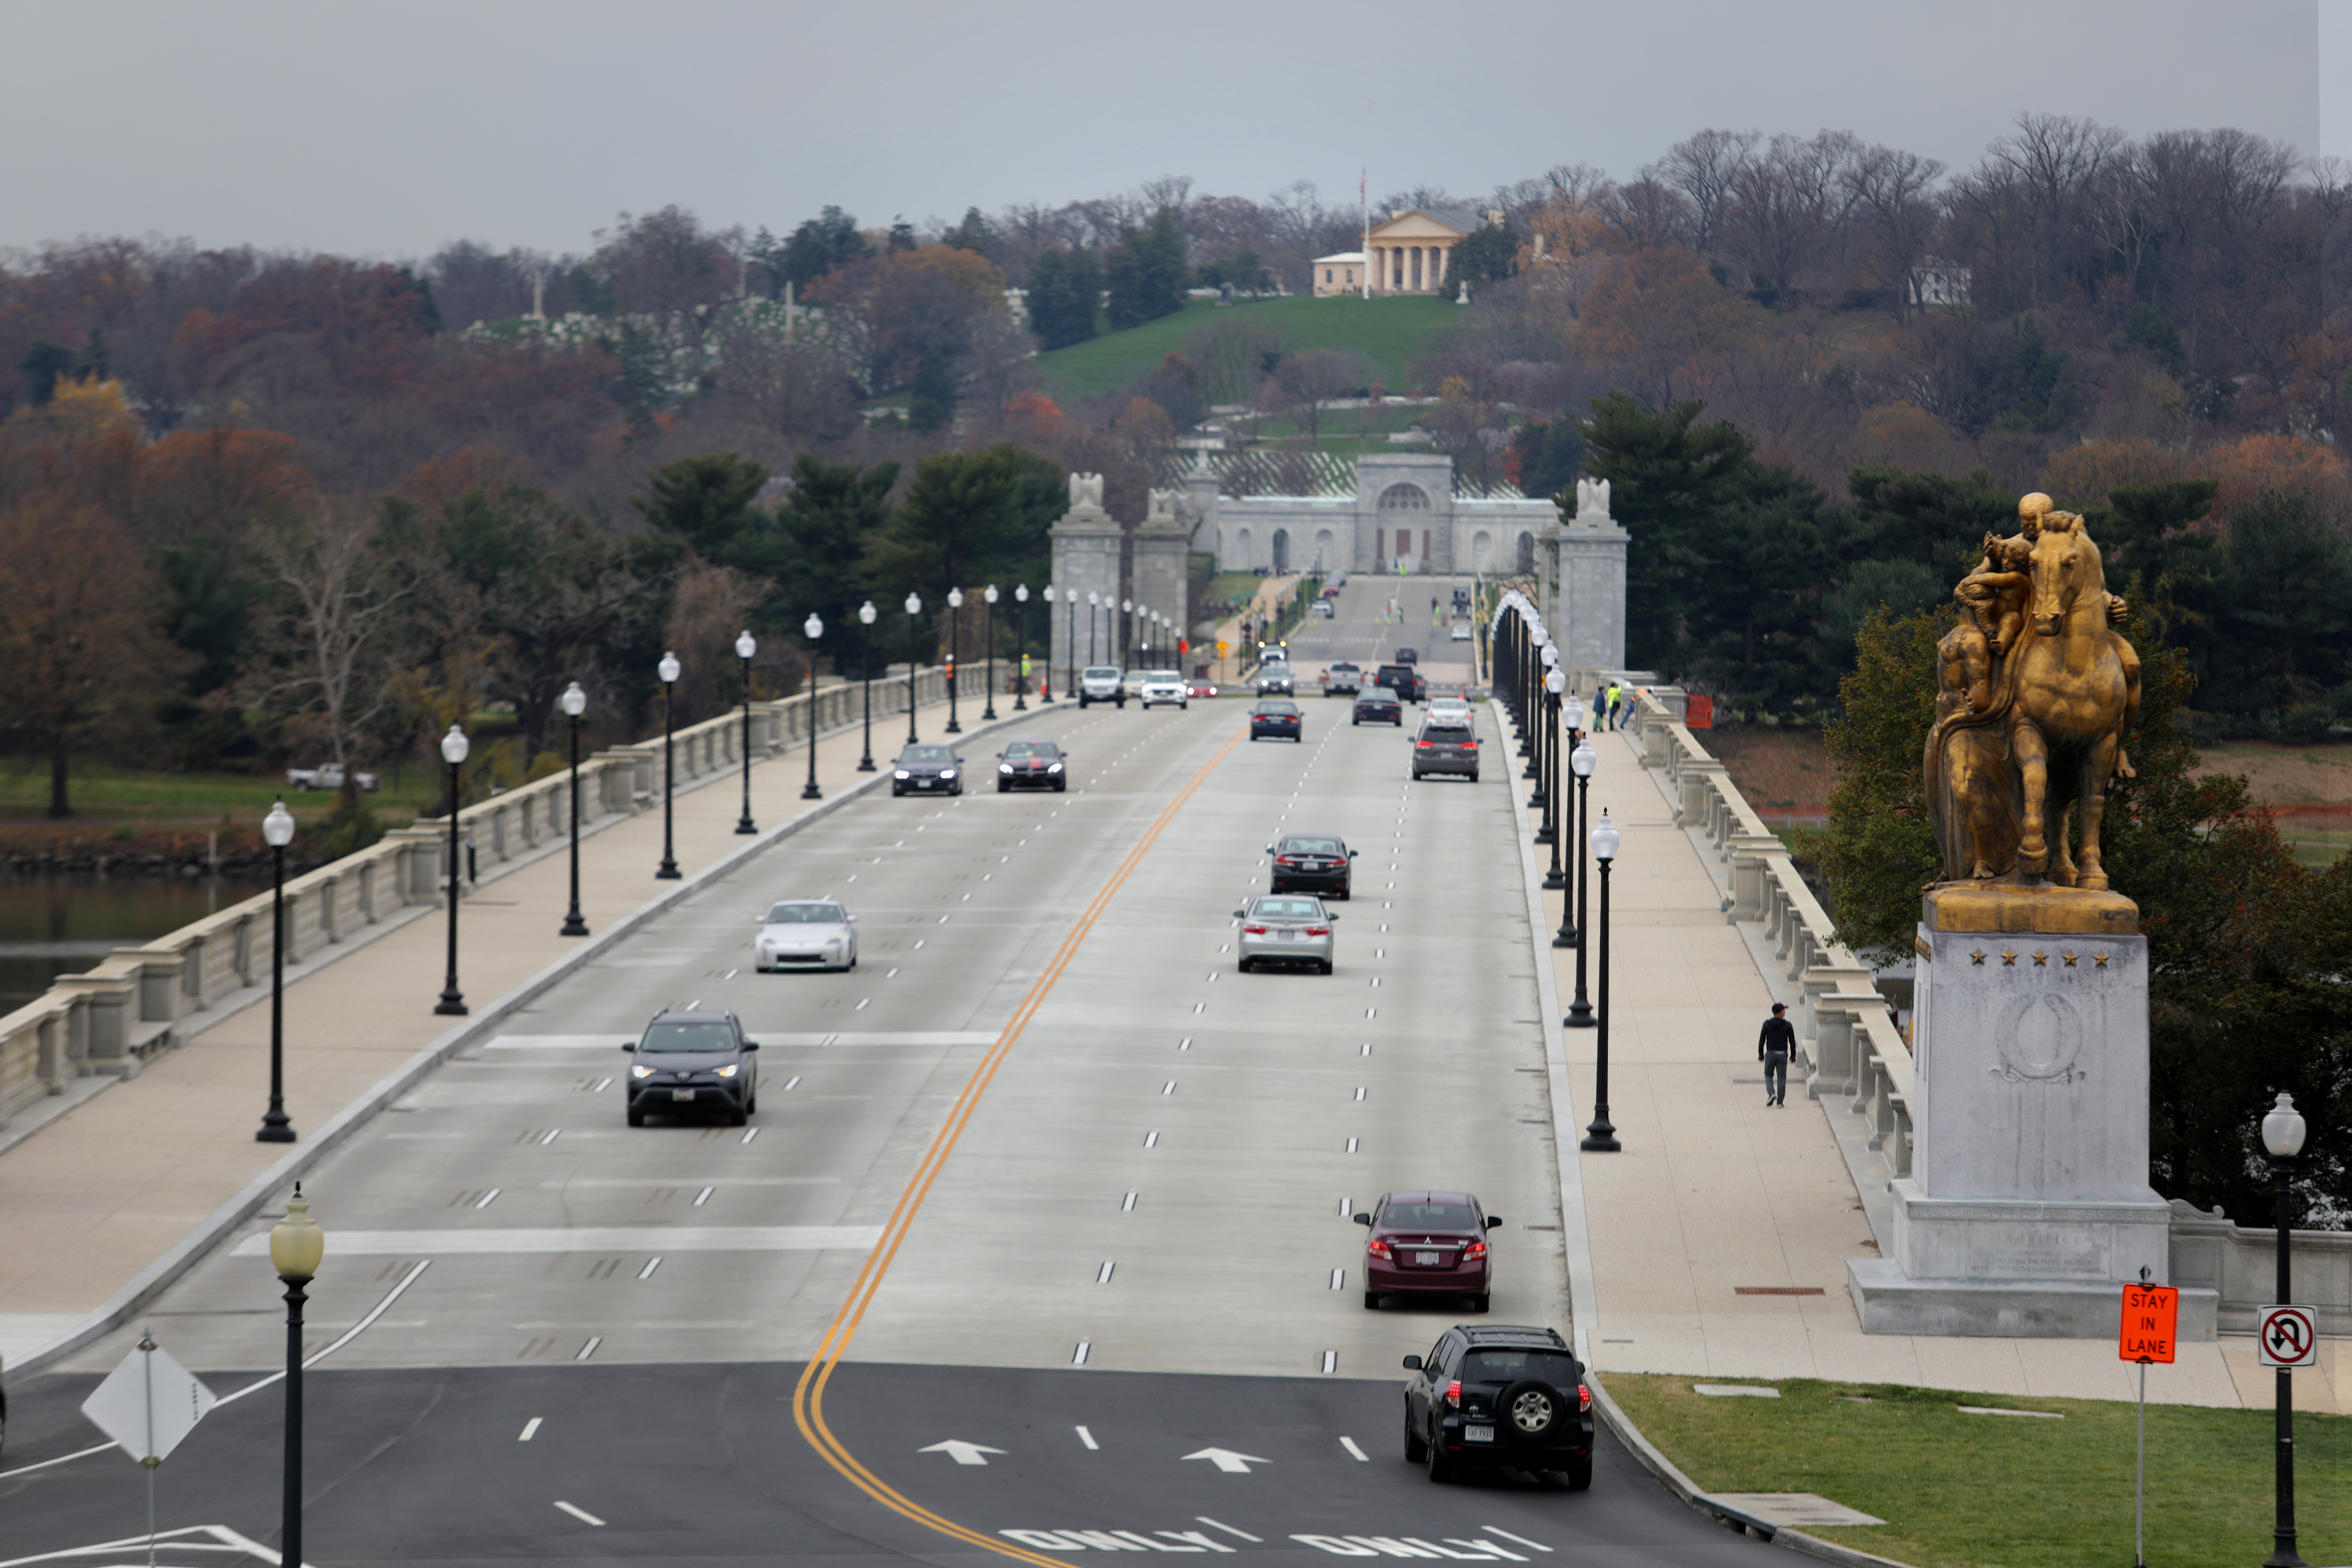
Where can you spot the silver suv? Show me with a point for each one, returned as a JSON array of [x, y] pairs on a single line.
[[1101, 684], [1165, 686]]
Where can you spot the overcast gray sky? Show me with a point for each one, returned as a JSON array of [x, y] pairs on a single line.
[[388, 131]]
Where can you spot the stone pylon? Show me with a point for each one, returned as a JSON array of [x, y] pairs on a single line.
[[1159, 570], [1085, 557]]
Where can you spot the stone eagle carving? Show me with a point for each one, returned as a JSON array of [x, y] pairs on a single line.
[[1085, 491], [1592, 501]]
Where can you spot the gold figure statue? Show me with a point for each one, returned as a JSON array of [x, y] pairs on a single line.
[[2036, 694]]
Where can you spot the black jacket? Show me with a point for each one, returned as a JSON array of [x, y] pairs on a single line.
[[1778, 1035]]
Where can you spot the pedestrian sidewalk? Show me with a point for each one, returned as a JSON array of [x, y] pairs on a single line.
[[107, 1203], [1716, 1242]]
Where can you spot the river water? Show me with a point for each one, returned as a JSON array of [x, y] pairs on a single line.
[[53, 926]]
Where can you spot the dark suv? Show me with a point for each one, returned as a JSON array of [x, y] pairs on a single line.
[[1403, 680], [695, 1060], [1499, 1398]]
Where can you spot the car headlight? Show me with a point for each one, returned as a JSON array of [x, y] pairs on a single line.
[[947, 772], [636, 1071], [1054, 768], [1004, 767], [728, 1070], [904, 774]]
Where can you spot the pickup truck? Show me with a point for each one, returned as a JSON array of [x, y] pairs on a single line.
[[1343, 679], [327, 776]]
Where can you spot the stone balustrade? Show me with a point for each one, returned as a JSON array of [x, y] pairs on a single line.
[[1854, 1056], [137, 1002]]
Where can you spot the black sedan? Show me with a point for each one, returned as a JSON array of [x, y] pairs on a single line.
[[927, 771], [1378, 705], [1277, 718], [1311, 862], [1031, 765]]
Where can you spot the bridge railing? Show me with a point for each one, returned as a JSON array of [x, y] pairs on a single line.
[[138, 1002], [1853, 1055]]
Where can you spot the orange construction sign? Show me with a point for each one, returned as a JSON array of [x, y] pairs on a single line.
[[2150, 1324]]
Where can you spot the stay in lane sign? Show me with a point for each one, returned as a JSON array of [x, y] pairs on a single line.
[[2151, 1323]]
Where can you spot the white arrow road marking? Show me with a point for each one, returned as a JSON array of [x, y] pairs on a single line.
[[962, 1452], [1349, 1444], [1225, 1460]]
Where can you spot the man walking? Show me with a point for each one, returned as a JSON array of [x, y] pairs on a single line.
[[1772, 1049]]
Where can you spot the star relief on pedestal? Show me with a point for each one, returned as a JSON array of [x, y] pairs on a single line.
[[2040, 959], [2099, 960], [1977, 959], [2008, 958], [2070, 958]]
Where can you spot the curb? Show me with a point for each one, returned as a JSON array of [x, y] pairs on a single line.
[[183, 1254]]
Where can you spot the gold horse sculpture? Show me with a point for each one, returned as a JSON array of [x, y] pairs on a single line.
[[2031, 723]]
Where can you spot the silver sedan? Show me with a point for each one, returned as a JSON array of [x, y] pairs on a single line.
[[1285, 928], [806, 934]]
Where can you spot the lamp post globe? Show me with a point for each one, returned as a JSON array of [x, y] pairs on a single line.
[[989, 710], [2282, 1132], [1021, 647], [668, 670], [1093, 609], [955, 632], [866, 616], [1555, 681], [1600, 1136], [813, 629], [453, 752], [277, 831], [745, 646], [574, 702], [297, 1248]]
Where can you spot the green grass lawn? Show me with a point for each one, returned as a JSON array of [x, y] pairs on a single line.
[[1995, 1491], [103, 792], [1390, 331]]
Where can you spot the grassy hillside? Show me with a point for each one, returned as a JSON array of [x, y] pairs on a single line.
[[1389, 330]]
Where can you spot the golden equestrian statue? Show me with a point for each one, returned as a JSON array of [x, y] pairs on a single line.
[[2036, 694]]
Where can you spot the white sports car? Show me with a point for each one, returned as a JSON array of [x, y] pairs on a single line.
[[806, 934]]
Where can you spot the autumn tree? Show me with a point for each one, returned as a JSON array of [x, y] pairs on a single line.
[[78, 637], [334, 588], [1654, 317], [1305, 383]]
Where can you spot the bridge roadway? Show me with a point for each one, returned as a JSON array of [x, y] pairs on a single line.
[[1108, 1175]]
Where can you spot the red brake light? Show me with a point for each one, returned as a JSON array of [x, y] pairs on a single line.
[[1472, 745], [1253, 930], [1584, 1398], [1424, 744], [1318, 931], [1377, 1247], [1453, 1394], [1475, 1249]]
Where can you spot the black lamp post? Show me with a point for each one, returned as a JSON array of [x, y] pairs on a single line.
[[914, 608], [277, 831], [1571, 822], [865, 667], [1125, 631], [745, 646], [668, 670], [1094, 608], [575, 702], [1547, 740], [955, 602], [453, 751], [989, 594], [1070, 622], [1049, 646], [1021, 646], [1555, 879], [1580, 1011], [813, 628], [2282, 1130], [296, 1246], [1531, 695], [1599, 1136]]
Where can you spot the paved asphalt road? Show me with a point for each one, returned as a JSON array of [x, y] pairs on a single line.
[[1109, 1176]]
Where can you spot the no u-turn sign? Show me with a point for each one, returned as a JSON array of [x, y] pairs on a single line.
[[2287, 1336]]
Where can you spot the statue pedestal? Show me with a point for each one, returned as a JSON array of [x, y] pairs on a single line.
[[2029, 1209]]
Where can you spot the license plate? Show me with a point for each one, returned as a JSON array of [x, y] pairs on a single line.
[[1285, 935], [1428, 1259], [1478, 1434], [681, 1093]]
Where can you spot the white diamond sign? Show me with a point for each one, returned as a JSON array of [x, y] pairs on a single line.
[[148, 1403]]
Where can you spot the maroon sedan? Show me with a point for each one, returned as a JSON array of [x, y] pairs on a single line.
[[1428, 1244]]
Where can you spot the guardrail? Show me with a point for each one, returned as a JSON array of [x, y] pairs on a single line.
[[136, 1003], [1852, 1054]]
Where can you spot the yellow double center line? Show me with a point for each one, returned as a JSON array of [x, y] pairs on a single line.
[[808, 1395]]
